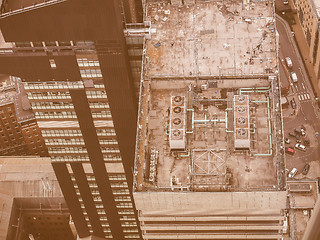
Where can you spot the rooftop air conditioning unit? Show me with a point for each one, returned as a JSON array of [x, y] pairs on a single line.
[[242, 133], [241, 121], [177, 123]]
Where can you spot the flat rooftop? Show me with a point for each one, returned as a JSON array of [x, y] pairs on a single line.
[[218, 38], [206, 124]]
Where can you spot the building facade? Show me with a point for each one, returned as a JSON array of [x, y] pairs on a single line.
[[73, 59], [308, 15], [19, 132]]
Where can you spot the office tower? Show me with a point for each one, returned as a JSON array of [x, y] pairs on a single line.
[[19, 132], [209, 161], [73, 59], [312, 230], [32, 203], [308, 19]]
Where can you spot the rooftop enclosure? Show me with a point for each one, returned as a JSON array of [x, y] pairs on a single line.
[[210, 118]]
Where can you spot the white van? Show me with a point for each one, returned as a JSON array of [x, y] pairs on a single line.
[[288, 62], [292, 173], [294, 77]]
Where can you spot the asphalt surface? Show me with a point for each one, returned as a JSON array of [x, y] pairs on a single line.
[[307, 113]]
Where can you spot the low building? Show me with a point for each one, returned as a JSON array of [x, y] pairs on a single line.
[[19, 131], [33, 206], [208, 162]]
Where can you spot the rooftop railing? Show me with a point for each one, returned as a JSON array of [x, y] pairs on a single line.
[[8, 12]]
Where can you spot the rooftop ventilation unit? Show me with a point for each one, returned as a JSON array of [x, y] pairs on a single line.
[[241, 109], [177, 123], [242, 133], [241, 122], [241, 99]]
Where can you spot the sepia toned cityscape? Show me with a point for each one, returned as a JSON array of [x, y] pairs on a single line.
[[159, 119]]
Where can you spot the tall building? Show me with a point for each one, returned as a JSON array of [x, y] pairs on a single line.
[[209, 160], [73, 58], [308, 14]]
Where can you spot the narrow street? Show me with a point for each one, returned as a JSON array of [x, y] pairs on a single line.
[[306, 112]]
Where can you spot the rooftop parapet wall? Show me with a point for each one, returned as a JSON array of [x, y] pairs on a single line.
[[211, 201]]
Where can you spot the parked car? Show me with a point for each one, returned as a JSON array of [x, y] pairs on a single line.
[[290, 150], [294, 77], [306, 142], [306, 169], [293, 103], [287, 140], [293, 172], [288, 62], [301, 147], [303, 127], [300, 132], [285, 2], [293, 134]]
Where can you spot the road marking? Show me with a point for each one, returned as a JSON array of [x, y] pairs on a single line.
[[303, 86], [305, 96], [299, 97], [296, 87], [308, 96], [302, 97]]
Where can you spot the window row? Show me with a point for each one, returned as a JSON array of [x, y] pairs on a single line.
[[124, 205], [82, 158], [67, 132], [120, 191], [111, 158], [106, 132], [54, 85], [63, 141], [49, 95], [96, 94], [117, 177], [101, 114], [110, 150], [90, 73], [123, 199], [99, 86], [67, 150], [84, 62], [99, 105], [108, 141], [52, 105], [51, 115], [44, 44], [113, 184]]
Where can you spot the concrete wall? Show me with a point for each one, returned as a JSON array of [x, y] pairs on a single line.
[[155, 201]]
